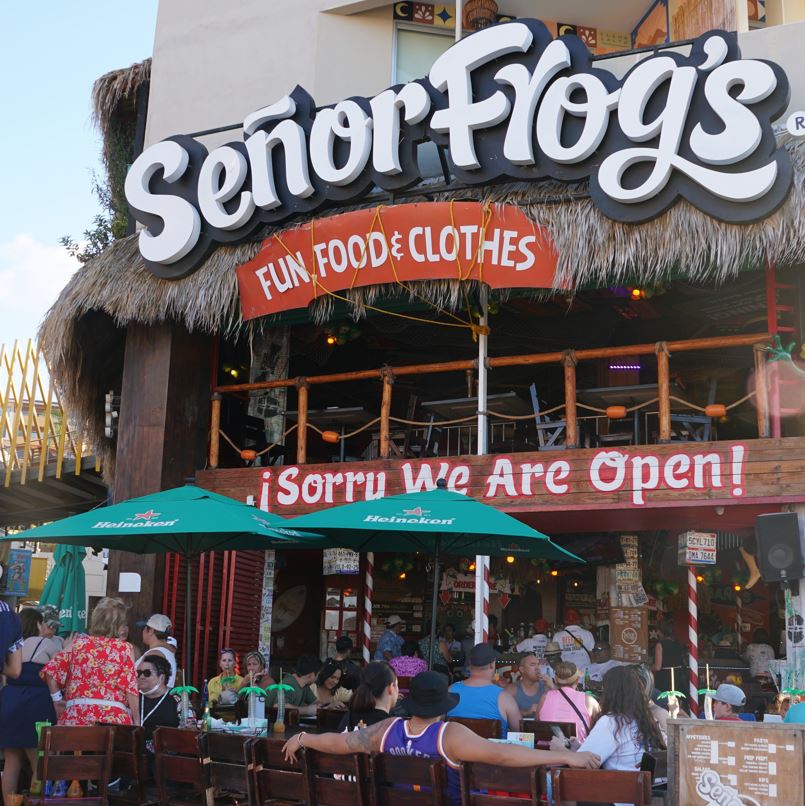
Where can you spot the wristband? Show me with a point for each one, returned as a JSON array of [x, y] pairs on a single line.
[[300, 735], [56, 696]]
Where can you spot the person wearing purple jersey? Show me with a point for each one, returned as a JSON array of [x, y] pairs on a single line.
[[427, 735]]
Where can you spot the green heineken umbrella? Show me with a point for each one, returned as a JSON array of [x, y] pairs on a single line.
[[435, 522], [65, 589], [187, 520]]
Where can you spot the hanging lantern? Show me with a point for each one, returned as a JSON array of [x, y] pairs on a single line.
[[479, 14], [248, 455], [716, 410], [331, 436], [616, 412]]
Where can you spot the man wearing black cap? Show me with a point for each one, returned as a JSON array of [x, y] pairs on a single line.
[[480, 697], [427, 734]]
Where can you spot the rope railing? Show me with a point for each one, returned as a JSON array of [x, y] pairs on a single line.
[[568, 359]]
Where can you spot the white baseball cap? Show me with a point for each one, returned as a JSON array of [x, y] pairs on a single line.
[[391, 621]]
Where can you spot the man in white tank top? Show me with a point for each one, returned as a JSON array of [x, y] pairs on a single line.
[[155, 638]]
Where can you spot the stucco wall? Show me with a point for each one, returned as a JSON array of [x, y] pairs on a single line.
[[215, 61]]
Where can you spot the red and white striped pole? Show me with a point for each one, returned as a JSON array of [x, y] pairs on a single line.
[[481, 599], [367, 605], [739, 621], [693, 641]]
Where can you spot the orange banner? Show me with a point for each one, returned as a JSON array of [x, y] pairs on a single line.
[[495, 244]]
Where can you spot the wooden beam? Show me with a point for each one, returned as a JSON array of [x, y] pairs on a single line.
[[215, 430], [301, 420], [761, 392], [664, 391], [385, 413], [571, 424]]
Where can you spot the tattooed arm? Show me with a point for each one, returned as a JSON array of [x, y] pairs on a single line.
[[366, 740]]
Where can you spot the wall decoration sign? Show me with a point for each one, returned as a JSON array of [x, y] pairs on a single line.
[[464, 240], [17, 574], [508, 102], [697, 548], [340, 561], [633, 477]]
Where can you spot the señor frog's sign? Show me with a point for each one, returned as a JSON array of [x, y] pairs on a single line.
[[508, 102]]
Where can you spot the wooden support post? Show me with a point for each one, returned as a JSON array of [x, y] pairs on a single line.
[[664, 391], [215, 431], [761, 392], [301, 429], [571, 423], [385, 413]]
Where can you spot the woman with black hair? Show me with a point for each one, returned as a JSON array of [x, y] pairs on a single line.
[[374, 698], [625, 728], [327, 689]]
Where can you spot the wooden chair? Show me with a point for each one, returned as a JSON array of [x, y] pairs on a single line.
[[543, 730], [273, 779], [177, 761], [485, 728], [129, 760], [335, 780], [392, 775], [223, 763], [404, 684], [551, 434], [601, 786], [328, 719], [77, 753], [491, 785]]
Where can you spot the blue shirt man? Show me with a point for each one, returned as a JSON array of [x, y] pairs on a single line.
[[796, 714], [390, 643]]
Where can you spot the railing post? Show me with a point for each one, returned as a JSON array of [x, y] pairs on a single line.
[[664, 391], [215, 430], [301, 422], [571, 423], [761, 392], [385, 413]]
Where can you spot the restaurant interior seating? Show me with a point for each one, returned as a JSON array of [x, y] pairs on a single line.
[[543, 731], [492, 785], [551, 433], [601, 786], [486, 728], [129, 762], [224, 767], [392, 774], [329, 718], [77, 754], [273, 779], [336, 780], [177, 760]]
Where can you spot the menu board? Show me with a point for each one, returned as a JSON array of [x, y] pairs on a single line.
[[628, 633], [736, 763]]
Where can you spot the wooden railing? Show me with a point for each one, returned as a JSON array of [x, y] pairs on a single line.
[[568, 359], [36, 436]]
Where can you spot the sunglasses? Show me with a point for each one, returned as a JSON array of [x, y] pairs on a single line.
[[143, 673]]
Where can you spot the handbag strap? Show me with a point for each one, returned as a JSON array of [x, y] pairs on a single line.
[[575, 708]]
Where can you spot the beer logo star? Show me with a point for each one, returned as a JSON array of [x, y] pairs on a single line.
[[418, 512], [146, 516]]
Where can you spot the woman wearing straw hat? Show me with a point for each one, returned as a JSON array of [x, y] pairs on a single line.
[[565, 703], [427, 734]]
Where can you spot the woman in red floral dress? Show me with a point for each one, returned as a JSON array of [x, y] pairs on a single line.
[[94, 679]]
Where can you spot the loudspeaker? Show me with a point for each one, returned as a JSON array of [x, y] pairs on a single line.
[[780, 546]]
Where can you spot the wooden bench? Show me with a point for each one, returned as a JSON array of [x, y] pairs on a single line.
[[273, 779], [492, 785], [601, 786], [72, 753], [391, 777], [335, 780], [485, 728], [177, 761]]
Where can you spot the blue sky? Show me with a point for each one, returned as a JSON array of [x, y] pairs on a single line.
[[50, 55]]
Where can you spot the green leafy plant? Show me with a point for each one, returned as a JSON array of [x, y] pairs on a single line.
[[107, 226]]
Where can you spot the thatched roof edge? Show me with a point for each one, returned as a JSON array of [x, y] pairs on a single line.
[[592, 250]]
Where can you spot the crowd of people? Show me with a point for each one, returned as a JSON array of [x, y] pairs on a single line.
[[101, 677]]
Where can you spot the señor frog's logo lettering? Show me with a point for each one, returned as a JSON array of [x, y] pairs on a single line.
[[715, 793], [509, 102]]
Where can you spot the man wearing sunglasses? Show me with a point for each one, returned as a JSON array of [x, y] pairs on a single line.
[[155, 637]]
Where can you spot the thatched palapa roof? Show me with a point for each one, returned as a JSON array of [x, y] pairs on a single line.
[[116, 288]]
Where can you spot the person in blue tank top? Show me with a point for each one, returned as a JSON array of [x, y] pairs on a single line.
[[426, 734], [479, 697]]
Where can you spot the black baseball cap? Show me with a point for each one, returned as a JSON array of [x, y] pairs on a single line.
[[482, 655]]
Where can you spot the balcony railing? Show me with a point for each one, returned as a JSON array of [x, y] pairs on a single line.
[[461, 429]]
